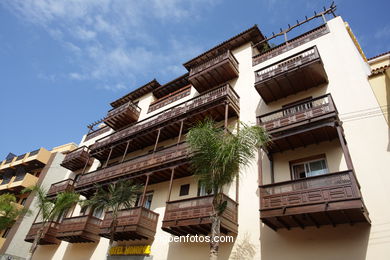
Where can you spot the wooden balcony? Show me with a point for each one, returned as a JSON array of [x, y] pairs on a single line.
[[122, 116], [170, 98], [329, 199], [77, 159], [159, 163], [290, 44], [296, 73], [133, 224], [22, 181], [214, 72], [144, 133], [192, 216], [301, 124], [49, 233], [79, 229], [61, 186]]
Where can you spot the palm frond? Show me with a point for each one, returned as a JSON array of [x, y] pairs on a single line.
[[217, 156]]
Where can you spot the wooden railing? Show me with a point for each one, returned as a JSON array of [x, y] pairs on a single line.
[[287, 64], [49, 233], [312, 190], [61, 186], [160, 119], [79, 223], [198, 207], [79, 153], [293, 43], [170, 98], [97, 132], [129, 105], [139, 216], [214, 61], [76, 159], [140, 163], [290, 115]]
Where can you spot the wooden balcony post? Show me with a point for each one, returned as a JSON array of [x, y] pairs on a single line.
[[271, 162], [345, 148], [180, 132], [226, 115], [144, 192], [85, 166], [238, 176], [170, 184], [158, 137], [108, 158], [124, 154], [260, 168]]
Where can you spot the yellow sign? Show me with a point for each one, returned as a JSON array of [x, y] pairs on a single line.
[[130, 250]]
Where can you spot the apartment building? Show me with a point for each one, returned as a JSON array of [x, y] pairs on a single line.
[[319, 190], [380, 81], [17, 172]]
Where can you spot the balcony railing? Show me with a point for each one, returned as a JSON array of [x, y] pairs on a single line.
[[293, 43], [77, 159], [134, 223], [61, 186], [174, 113], [332, 198], [170, 98], [290, 116], [290, 75], [169, 155], [123, 115], [213, 72], [97, 132], [79, 229], [193, 215], [49, 233], [32, 160], [21, 182]]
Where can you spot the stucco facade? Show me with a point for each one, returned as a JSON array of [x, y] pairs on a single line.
[[50, 172], [366, 138]]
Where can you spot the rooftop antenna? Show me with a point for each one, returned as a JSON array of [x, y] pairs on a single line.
[[330, 10]]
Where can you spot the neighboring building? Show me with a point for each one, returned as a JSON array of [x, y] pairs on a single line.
[[380, 81], [321, 186], [39, 167]]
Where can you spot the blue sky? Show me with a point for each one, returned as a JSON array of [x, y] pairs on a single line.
[[63, 61]]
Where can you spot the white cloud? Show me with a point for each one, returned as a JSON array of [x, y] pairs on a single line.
[[383, 33], [114, 41]]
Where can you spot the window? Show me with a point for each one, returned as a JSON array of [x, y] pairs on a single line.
[[23, 201], [202, 190], [309, 168], [97, 212], [83, 211], [298, 106], [5, 233], [184, 190], [148, 200]]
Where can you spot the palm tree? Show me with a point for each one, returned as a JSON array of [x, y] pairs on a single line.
[[9, 210], [216, 160], [114, 197], [50, 210]]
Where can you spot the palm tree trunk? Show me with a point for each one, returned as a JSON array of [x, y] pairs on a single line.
[[215, 232], [112, 233], [34, 245]]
